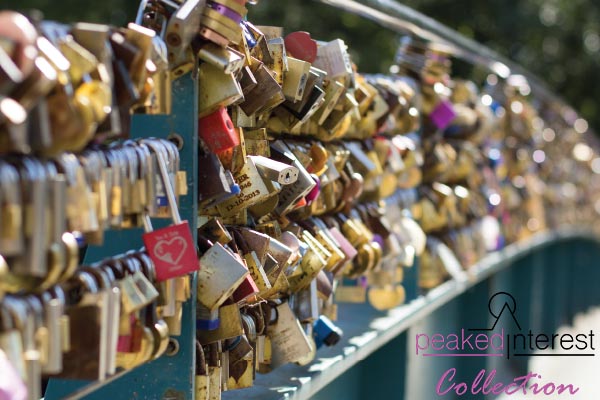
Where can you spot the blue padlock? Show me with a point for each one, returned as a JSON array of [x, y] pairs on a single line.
[[325, 332]]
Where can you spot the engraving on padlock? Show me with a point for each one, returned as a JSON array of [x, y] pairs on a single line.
[[253, 190], [257, 271], [288, 340]]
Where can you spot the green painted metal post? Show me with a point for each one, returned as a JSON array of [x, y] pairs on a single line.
[[169, 377]]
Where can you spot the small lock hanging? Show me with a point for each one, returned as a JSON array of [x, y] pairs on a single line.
[[171, 248]]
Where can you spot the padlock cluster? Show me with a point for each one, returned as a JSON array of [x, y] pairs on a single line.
[[107, 317], [62, 319], [317, 185], [64, 86], [69, 174], [356, 177]]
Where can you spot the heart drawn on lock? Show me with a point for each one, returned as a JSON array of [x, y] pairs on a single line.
[[170, 251]]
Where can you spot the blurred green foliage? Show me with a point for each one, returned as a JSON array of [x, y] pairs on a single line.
[[559, 40]]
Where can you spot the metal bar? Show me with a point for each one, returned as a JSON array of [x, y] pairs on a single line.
[[402, 19]]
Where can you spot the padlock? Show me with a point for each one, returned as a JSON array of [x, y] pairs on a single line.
[[202, 377], [279, 65], [207, 320], [305, 305], [288, 340], [170, 248], [253, 190], [106, 282], [217, 131], [257, 271], [325, 332], [260, 96], [11, 342], [226, 59], [230, 325], [54, 309], [214, 231], [25, 320], [216, 185], [86, 358], [313, 98], [33, 190], [247, 289], [216, 90], [11, 238], [213, 358], [333, 92], [351, 291], [181, 29], [241, 363], [219, 276], [333, 58], [256, 142], [222, 24], [281, 173]]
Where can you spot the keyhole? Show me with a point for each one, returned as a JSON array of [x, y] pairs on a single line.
[[288, 177]]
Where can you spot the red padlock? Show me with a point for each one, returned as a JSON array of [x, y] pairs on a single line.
[[218, 132], [171, 248]]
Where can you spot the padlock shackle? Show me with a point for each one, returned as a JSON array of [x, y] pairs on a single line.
[[161, 159]]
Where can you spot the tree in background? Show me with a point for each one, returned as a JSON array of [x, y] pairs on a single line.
[[559, 40]]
